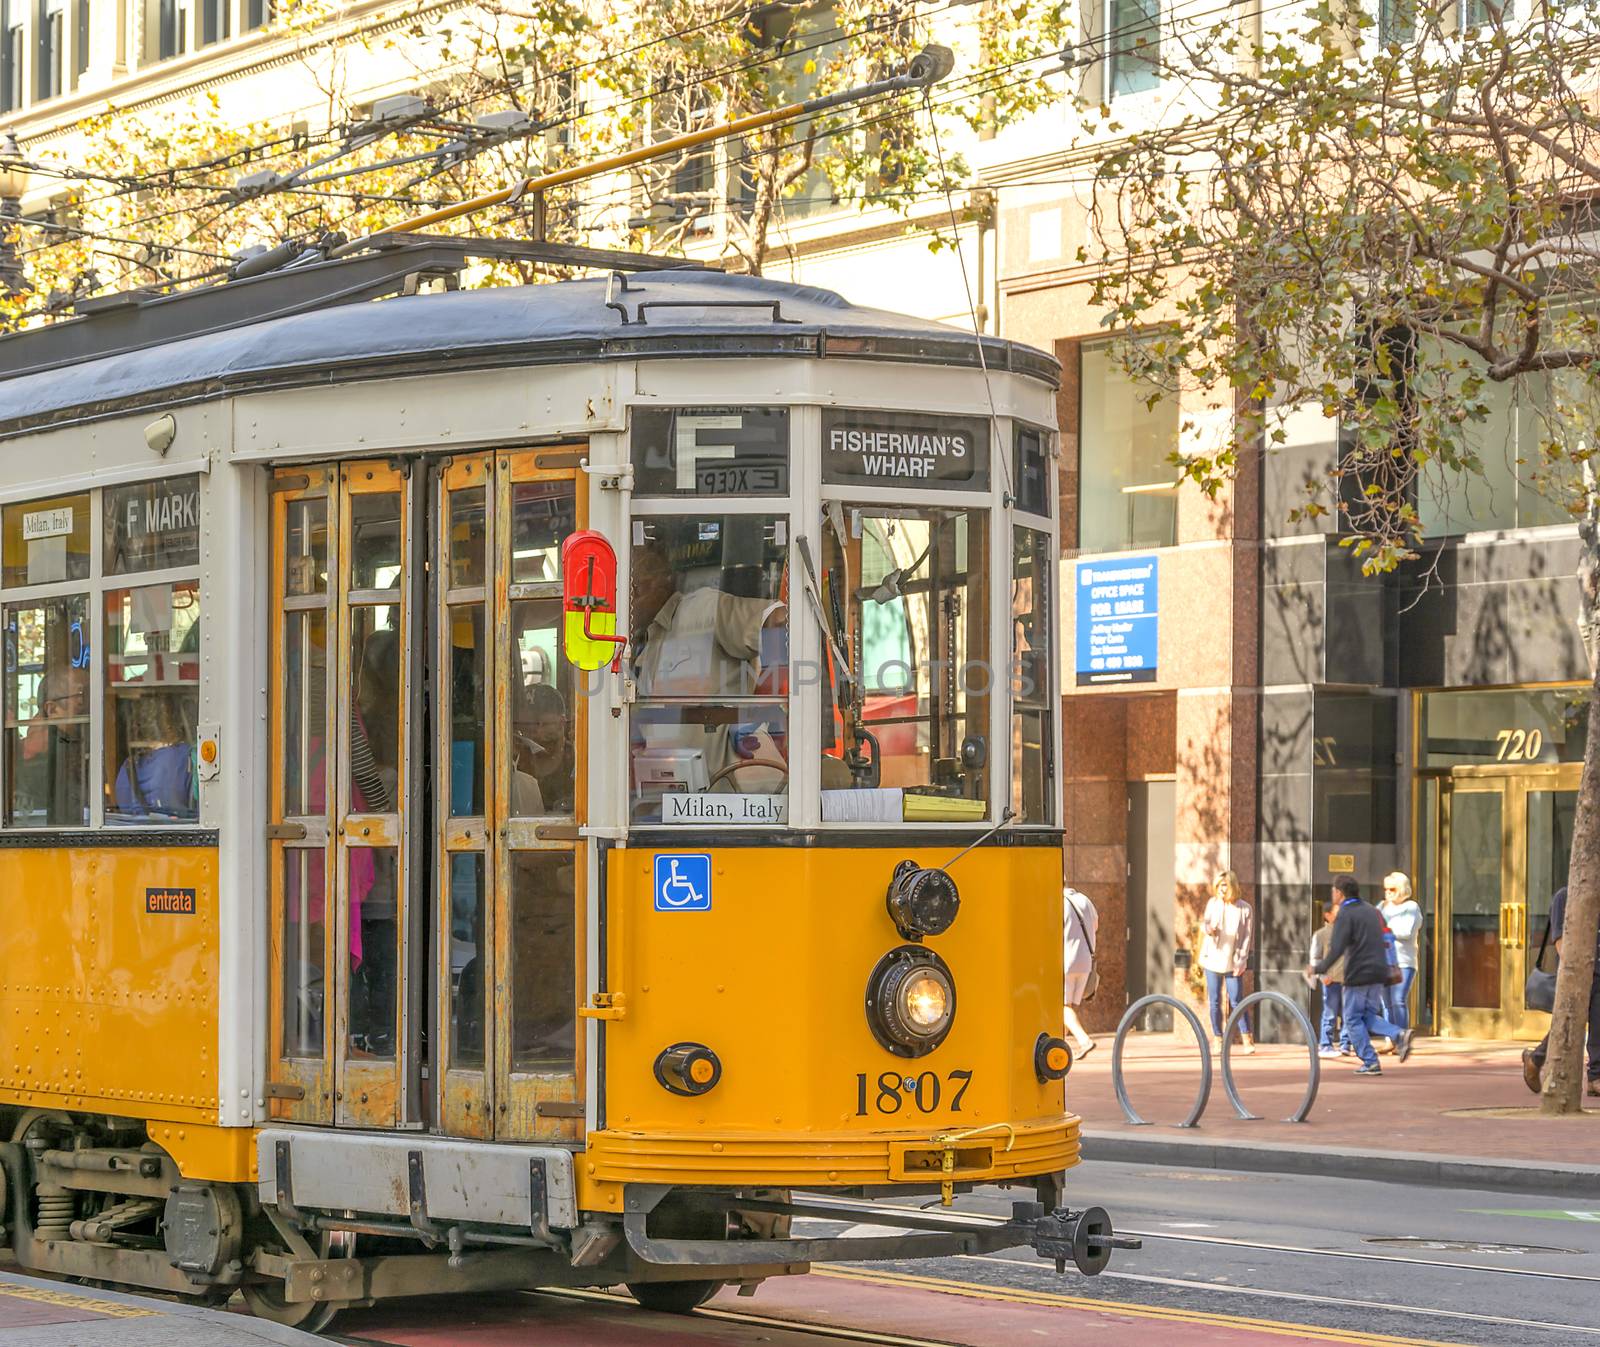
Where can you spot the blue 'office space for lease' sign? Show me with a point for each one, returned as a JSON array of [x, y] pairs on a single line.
[[683, 882], [1117, 605]]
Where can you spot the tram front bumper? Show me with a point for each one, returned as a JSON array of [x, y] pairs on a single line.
[[1086, 1237]]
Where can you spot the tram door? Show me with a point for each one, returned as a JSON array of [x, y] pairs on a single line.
[[343, 1001], [509, 730]]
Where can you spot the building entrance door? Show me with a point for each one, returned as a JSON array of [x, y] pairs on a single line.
[[1504, 842]]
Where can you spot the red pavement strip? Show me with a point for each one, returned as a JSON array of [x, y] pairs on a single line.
[[847, 1306]]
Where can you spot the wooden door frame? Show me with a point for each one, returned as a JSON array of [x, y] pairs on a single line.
[[299, 1089]]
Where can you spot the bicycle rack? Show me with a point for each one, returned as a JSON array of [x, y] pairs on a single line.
[[1299, 1115], [1129, 1017]]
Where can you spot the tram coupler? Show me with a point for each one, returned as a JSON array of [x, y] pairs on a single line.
[[1086, 1236]]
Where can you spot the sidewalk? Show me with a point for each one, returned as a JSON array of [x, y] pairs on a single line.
[[39, 1313], [1457, 1113]]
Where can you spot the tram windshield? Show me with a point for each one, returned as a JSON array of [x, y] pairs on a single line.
[[711, 665], [906, 593]]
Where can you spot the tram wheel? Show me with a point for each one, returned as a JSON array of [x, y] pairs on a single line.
[[673, 1297], [265, 1300]]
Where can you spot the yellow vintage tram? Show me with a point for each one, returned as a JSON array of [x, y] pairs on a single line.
[[390, 909]]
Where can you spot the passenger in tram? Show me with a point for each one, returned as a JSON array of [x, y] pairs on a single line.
[[157, 778], [542, 738], [51, 780], [374, 873]]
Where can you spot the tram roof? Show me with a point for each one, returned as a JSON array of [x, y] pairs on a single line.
[[682, 313]]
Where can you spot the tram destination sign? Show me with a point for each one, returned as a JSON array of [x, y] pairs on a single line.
[[1117, 622], [895, 449]]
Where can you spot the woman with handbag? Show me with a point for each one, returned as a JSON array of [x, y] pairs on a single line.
[[1082, 981], [1228, 925]]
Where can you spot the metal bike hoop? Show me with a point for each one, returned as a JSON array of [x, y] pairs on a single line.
[[1129, 1018], [1299, 1115]]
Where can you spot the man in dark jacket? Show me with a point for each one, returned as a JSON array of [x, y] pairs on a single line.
[[1358, 932]]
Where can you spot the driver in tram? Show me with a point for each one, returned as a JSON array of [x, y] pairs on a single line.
[[709, 640]]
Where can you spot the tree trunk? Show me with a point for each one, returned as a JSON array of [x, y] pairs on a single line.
[[1563, 1082]]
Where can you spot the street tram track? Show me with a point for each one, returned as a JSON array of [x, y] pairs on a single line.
[[1184, 1315], [1359, 1254]]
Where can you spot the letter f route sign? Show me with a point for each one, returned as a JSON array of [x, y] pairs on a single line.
[[683, 882]]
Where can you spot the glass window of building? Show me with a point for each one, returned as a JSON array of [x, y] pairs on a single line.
[[710, 659], [1127, 434], [1507, 479], [1515, 727], [1133, 46], [906, 726], [139, 603]]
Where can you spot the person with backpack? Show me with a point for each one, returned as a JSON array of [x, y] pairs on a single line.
[[1081, 926], [1362, 940]]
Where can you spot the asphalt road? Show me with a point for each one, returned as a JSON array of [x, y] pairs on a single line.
[[1439, 1264]]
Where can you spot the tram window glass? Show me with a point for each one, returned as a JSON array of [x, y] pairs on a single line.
[[1127, 433], [47, 542], [544, 955], [304, 902], [1032, 471], [305, 707], [543, 764], [375, 720], [906, 593], [710, 627], [152, 688], [468, 954], [305, 553], [469, 710], [373, 936], [542, 515], [152, 526], [711, 451], [47, 713], [375, 540], [1033, 695], [469, 538], [1509, 728]]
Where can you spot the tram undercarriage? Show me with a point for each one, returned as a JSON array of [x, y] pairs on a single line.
[[86, 1199]]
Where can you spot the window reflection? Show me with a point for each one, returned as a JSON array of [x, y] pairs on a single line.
[[152, 702], [544, 955], [47, 721], [906, 597], [711, 662]]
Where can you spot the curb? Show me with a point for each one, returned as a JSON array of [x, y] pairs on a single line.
[[1415, 1168]]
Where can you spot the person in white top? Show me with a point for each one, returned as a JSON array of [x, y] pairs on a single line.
[[1079, 934], [1228, 925], [1404, 919]]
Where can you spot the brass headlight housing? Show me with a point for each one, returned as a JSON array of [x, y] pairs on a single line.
[[911, 1001]]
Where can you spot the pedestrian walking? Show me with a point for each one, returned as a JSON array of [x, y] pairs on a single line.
[[1227, 927], [1358, 939], [1404, 918], [1533, 1058], [1332, 989], [1081, 927]]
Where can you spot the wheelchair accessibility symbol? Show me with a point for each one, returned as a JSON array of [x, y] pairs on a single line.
[[683, 883]]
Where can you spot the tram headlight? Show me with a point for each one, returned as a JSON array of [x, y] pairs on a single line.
[[911, 1001]]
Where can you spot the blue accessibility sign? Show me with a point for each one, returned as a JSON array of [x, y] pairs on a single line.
[[683, 882]]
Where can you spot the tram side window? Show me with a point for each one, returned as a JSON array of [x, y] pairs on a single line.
[[710, 622], [152, 663], [1032, 694], [143, 631], [906, 594], [47, 723]]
